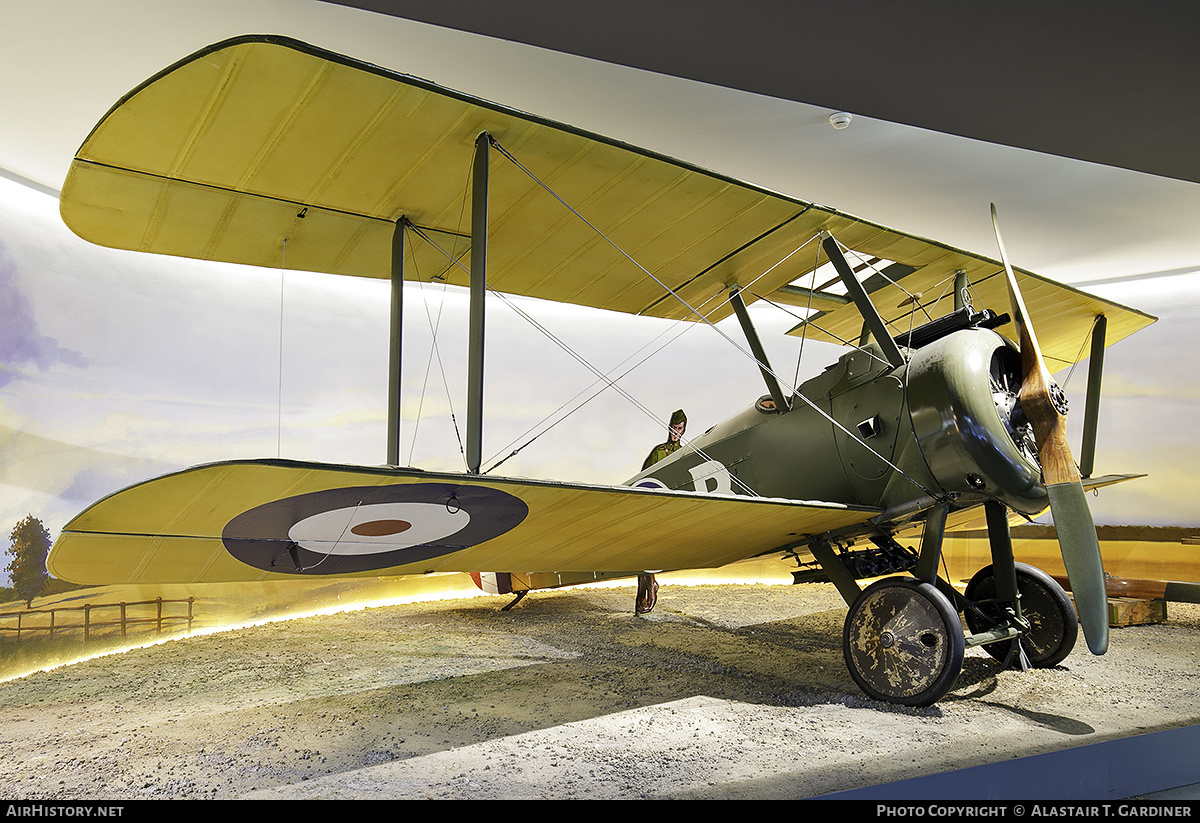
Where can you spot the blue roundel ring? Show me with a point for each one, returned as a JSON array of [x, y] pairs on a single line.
[[347, 530]]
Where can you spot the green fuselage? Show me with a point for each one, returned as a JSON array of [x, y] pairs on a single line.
[[866, 433]]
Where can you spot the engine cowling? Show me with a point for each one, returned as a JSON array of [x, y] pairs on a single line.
[[962, 398]]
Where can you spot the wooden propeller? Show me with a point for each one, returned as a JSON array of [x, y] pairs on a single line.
[[1045, 405]]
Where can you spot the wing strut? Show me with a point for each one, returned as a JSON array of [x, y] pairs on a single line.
[[756, 348], [871, 317], [962, 288], [1091, 409], [393, 435], [479, 231]]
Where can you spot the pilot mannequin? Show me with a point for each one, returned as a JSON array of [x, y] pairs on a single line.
[[647, 594]]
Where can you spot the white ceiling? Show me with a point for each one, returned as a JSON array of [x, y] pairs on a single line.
[[64, 63]]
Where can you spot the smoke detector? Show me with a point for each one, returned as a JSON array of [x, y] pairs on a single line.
[[839, 120]]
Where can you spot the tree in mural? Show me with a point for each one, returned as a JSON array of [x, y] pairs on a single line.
[[29, 543]]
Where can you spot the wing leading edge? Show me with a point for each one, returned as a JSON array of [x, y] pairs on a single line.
[[1064, 313], [277, 519]]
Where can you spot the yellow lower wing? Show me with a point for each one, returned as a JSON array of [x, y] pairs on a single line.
[[275, 519]]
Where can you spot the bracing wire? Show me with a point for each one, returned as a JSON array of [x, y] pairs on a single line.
[[700, 316], [604, 385], [336, 543], [434, 354], [609, 382], [1079, 354], [808, 313], [435, 349], [605, 381], [691, 309]]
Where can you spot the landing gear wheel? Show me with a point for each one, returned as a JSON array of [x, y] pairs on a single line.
[[1053, 623], [903, 642]]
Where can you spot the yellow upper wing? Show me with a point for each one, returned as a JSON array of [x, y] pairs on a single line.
[[268, 151], [275, 519]]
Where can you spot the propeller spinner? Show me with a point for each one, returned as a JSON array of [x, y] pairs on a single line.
[[1045, 406]]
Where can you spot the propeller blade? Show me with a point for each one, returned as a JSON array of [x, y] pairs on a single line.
[[1081, 556], [1032, 363], [1045, 405]]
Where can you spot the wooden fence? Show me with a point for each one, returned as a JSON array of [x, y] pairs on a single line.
[[90, 622]]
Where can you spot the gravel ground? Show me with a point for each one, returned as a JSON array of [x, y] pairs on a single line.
[[722, 692]]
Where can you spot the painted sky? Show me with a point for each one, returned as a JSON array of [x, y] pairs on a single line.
[[116, 367]]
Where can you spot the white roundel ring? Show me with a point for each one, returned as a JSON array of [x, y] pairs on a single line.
[[340, 531], [377, 527]]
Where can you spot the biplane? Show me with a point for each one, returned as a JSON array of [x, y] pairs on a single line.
[[939, 410]]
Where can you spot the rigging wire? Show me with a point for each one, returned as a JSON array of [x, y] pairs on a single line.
[[612, 384], [434, 354], [1079, 354], [336, 543], [808, 313], [603, 386], [435, 349], [677, 334], [607, 380], [673, 293], [871, 264], [692, 310], [609, 383]]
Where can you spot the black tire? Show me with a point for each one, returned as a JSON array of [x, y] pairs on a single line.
[[1053, 622], [903, 642]]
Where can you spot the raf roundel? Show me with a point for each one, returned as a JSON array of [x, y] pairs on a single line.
[[340, 531]]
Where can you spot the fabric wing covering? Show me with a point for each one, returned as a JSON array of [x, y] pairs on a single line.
[[186, 527], [270, 152]]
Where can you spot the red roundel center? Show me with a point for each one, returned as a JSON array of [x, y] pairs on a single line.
[[379, 528]]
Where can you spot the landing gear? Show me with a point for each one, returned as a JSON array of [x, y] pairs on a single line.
[[1052, 627], [903, 639], [903, 642]]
